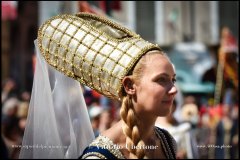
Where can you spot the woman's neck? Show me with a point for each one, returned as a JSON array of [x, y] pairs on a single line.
[[146, 126]]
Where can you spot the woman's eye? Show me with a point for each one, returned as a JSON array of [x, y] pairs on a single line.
[[174, 80], [164, 80]]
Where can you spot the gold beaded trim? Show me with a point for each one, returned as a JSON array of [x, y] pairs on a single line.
[[165, 144], [103, 141], [109, 23], [93, 154], [110, 91]]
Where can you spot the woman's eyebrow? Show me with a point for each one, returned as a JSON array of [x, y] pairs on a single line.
[[165, 74]]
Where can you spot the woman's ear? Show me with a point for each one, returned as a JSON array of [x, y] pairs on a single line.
[[128, 85]]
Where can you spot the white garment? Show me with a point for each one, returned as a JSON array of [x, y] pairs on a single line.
[[58, 125]]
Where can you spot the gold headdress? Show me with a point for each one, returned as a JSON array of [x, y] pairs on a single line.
[[92, 49]]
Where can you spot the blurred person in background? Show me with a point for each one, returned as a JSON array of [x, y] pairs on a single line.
[[11, 132], [228, 60], [22, 115], [25, 96], [180, 131], [8, 89], [105, 120], [95, 112], [234, 135], [203, 136], [190, 114]]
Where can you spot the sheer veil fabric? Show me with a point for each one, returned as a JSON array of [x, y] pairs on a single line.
[[58, 125]]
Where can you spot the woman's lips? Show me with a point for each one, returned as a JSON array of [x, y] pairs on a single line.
[[167, 101]]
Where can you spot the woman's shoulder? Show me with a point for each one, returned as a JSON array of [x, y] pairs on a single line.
[[169, 142], [102, 148]]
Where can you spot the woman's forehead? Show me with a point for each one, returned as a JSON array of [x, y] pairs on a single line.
[[157, 59], [158, 63]]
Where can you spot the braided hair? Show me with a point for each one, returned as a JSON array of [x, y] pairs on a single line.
[[135, 144]]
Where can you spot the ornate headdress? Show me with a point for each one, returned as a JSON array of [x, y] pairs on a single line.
[[90, 49]]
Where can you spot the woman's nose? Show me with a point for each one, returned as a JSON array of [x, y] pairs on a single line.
[[173, 90]]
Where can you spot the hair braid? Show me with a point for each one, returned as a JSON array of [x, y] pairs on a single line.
[[130, 129], [127, 112]]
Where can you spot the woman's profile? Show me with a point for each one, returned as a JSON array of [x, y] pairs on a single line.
[[114, 61]]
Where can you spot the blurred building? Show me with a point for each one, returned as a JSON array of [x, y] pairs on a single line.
[[162, 22], [18, 33]]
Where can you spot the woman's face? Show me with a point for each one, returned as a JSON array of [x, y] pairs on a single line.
[[155, 90]]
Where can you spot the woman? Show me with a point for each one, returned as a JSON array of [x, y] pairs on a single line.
[[149, 93], [119, 64]]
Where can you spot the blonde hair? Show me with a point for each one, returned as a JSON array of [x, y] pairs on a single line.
[[128, 115]]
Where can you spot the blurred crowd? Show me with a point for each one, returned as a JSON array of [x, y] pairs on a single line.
[[14, 116], [200, 129], [204, 131]]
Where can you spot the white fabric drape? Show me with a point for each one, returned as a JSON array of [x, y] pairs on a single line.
[[58, 125]]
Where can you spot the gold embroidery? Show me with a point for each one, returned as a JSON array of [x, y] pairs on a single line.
[[99, 155], [106, 143], [165, 144], [74, 46]]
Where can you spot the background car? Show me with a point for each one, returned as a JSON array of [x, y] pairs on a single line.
[[191, 61]]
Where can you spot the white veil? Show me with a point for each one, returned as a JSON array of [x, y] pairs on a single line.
[[58, 125]]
